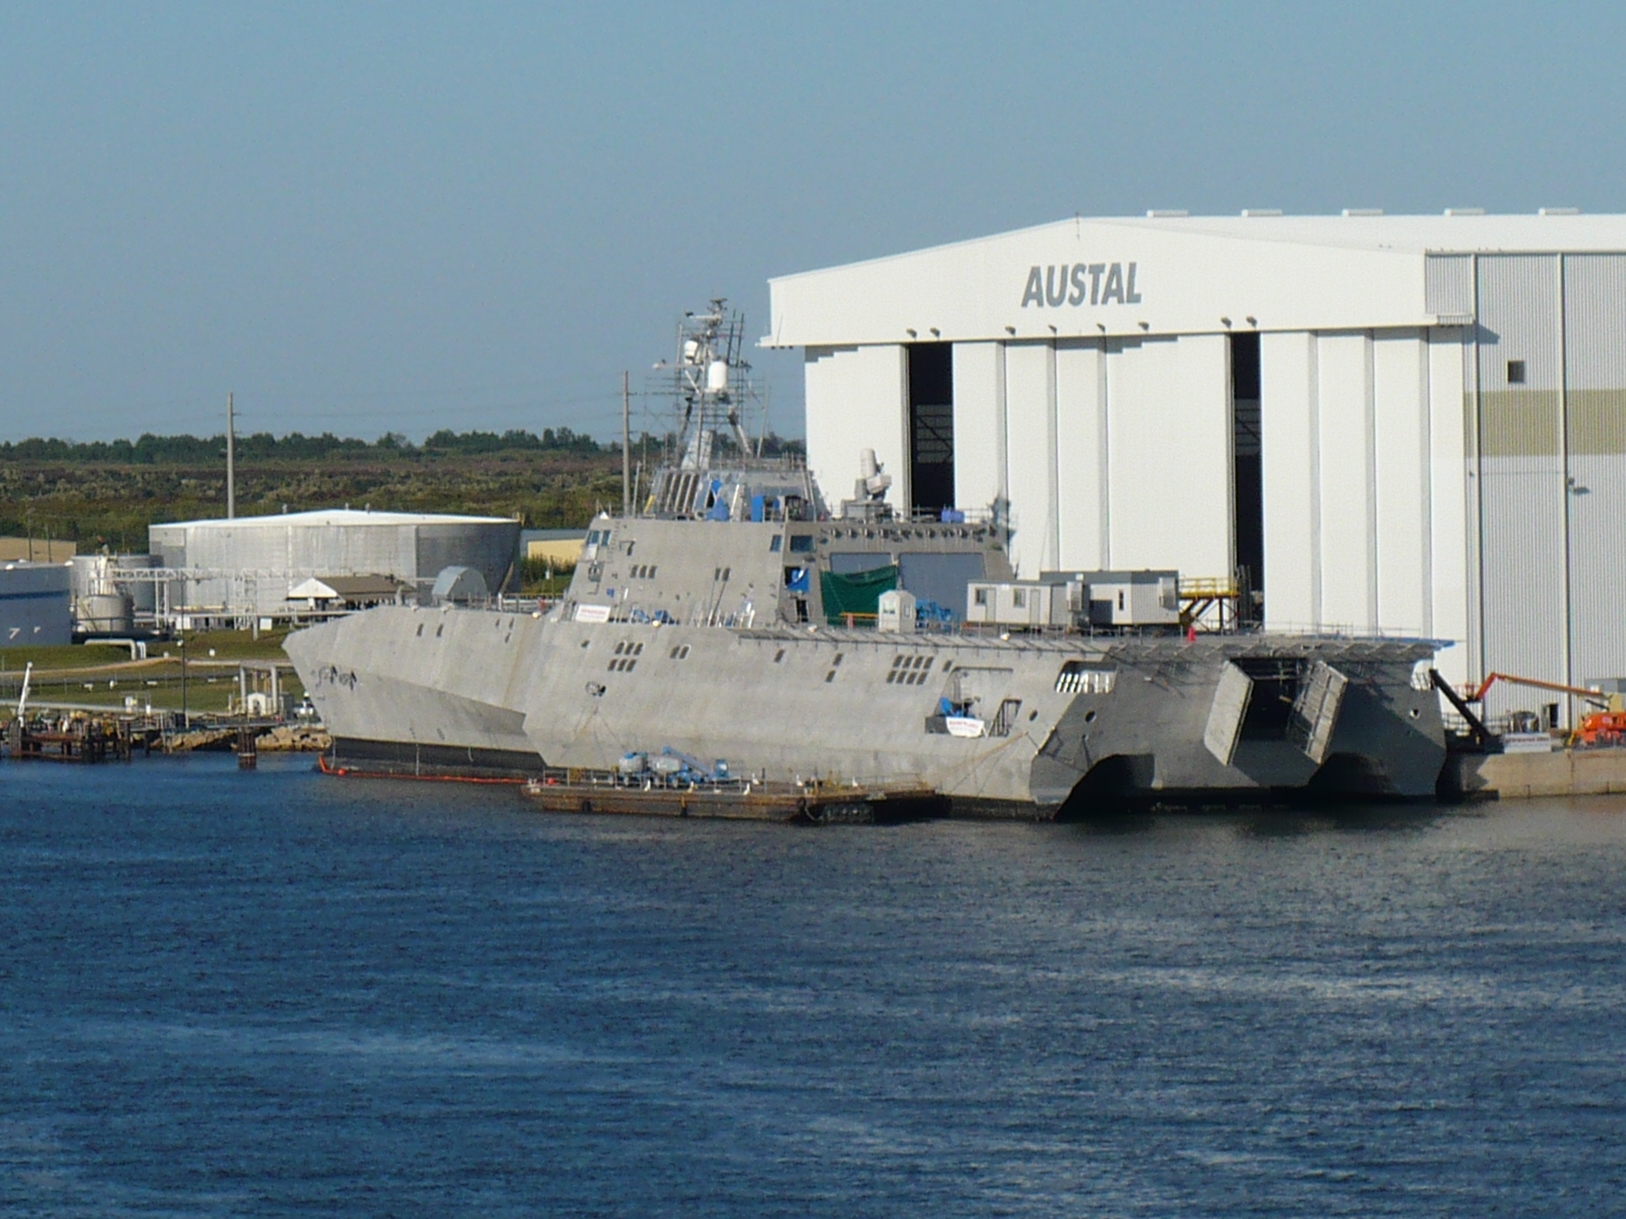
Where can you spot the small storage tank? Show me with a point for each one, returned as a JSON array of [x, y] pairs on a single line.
[[105, 614]]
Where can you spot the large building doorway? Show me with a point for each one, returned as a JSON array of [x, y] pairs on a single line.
[[931, 427], [1247, 486]]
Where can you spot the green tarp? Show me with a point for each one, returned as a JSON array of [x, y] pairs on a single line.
[[857, 593]]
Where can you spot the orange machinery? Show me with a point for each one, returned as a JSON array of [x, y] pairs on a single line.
[[1606, 726]]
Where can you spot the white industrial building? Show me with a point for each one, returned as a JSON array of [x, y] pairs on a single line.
[[253, 565], [1413, 425]]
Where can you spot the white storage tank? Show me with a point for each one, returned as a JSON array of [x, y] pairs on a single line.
[[248, 565]]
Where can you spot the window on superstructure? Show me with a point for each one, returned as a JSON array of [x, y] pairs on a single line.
[[1078, 678]]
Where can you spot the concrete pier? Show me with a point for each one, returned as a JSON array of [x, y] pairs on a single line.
[[1521, 776]]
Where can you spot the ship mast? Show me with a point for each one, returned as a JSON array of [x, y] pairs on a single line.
[[711, 382], [711, 391]]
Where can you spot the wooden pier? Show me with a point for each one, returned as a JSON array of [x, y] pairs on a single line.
[[73, 739]]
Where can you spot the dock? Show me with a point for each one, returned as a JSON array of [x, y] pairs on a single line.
[[76, 739], [811, 802], [1523, 776]]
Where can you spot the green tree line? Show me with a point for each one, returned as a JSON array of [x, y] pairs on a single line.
[[150, 450]]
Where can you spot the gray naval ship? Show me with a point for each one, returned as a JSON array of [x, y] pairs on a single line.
[[718, 621]]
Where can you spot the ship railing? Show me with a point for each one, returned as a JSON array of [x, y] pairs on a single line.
[[952, 516], [505, 604]]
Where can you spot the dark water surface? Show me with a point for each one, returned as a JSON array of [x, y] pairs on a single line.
[[278, 993]]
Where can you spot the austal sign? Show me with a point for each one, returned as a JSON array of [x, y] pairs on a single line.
[[1082, 283]]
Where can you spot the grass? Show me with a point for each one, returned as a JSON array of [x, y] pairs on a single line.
[[104, 676]]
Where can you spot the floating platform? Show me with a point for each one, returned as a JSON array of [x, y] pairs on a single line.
[[812, 802]]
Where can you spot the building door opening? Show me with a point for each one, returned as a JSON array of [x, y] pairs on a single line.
[[1247, 478], [931, 427]]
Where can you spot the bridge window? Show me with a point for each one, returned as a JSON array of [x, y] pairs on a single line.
[[1078, 678]]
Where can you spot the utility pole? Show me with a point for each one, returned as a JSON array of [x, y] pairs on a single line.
[[231, 461], [626, 448]]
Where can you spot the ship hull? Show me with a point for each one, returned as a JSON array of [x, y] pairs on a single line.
[[1069, 724]]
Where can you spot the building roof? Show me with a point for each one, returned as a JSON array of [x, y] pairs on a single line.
[[1175, 274], [338, 516], [347, 588]]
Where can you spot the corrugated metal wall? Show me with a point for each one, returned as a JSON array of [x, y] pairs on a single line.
[[1082, 510], [1453, 553], [1289, 433], [277, 553], [857, 398], [1030, 415], [1524, 586], [1448, 284], [979, 425], [1402, 482], [1365, 482], [1169, 458], [1595, 435], [1348, 493]]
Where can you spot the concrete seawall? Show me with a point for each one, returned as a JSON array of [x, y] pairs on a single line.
[[1520, 776]]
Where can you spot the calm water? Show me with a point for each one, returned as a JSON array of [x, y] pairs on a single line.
[[276, 993]]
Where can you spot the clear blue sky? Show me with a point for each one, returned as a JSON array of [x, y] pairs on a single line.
[[399, 217]]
